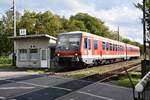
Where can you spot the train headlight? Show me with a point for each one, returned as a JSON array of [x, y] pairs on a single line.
[[76, 54], [58, 54]]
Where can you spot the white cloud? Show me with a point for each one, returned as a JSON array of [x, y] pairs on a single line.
[[113, 12]]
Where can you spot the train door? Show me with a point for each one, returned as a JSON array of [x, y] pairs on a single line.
[[89, 49]]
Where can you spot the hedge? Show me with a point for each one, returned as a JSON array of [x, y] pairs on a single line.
[[5, 60]]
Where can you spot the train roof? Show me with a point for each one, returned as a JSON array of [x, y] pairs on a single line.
[[102, 38], [74, 32], [107, 39]]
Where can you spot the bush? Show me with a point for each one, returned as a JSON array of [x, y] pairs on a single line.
[[5, 60]]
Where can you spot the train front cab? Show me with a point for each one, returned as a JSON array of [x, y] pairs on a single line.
[[68, 49]]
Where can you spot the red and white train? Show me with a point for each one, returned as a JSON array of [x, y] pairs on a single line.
[[86, 48]]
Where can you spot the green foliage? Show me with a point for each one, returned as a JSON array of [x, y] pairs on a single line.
[[7, 67], [147, 19], [76, 25], [27, 22], [6, 46], [92, 24], [126, 82], [5, 60], [48, 23]]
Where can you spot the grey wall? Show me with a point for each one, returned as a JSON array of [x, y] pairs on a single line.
[[28, 44]]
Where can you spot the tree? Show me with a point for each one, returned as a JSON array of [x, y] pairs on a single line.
[[1, 33], [48, 23], [6, 30], [28, 21], [65, 24], [8, 21], [92, 24], [147, 11], [76, 25]]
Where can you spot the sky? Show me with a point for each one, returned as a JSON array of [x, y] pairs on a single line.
[[114, 13]]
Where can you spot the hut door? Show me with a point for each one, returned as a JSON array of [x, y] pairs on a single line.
[[43, 57]]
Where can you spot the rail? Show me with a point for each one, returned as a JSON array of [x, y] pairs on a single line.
[[143, 88], [119, 71]]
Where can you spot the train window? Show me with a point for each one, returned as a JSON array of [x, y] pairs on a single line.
[[107, 46], [118, 49], [85, 43], [111, 46], [89, 44], [115, 49], [95, 44], [103, 45]]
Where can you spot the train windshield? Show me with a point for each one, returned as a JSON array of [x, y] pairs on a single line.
[[69, 42]]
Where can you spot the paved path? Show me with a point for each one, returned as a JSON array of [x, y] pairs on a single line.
[[43, 87], [6, 73]]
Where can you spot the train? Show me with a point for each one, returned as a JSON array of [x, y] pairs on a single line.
[[84, 49]]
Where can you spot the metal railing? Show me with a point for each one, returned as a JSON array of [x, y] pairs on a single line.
[[143, 88]]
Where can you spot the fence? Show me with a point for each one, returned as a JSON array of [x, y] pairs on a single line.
[[143, 88]]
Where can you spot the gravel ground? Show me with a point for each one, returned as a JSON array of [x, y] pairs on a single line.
[[12, 74], [94, 70]]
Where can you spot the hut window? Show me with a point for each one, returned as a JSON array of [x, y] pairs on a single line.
[[34, 54], [22, 54]]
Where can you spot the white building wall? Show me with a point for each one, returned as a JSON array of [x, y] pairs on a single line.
[[31, 44]]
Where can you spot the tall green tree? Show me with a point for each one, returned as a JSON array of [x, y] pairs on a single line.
[[92, 24], [6, 30], [76, 25], [28, 21], [147, 19], [8, 21], [48, 23]]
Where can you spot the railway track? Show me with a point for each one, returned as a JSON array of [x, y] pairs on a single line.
[[105, 70], [118, 72]]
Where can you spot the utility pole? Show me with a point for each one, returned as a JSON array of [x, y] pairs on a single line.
[[14, 17], [14, 27], [118, 34], [144, 30]]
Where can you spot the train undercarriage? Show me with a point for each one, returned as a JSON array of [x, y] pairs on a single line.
[[77, 62]]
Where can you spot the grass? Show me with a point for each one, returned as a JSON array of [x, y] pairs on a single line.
[[126, 82], [7, 66], [44, 71]]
